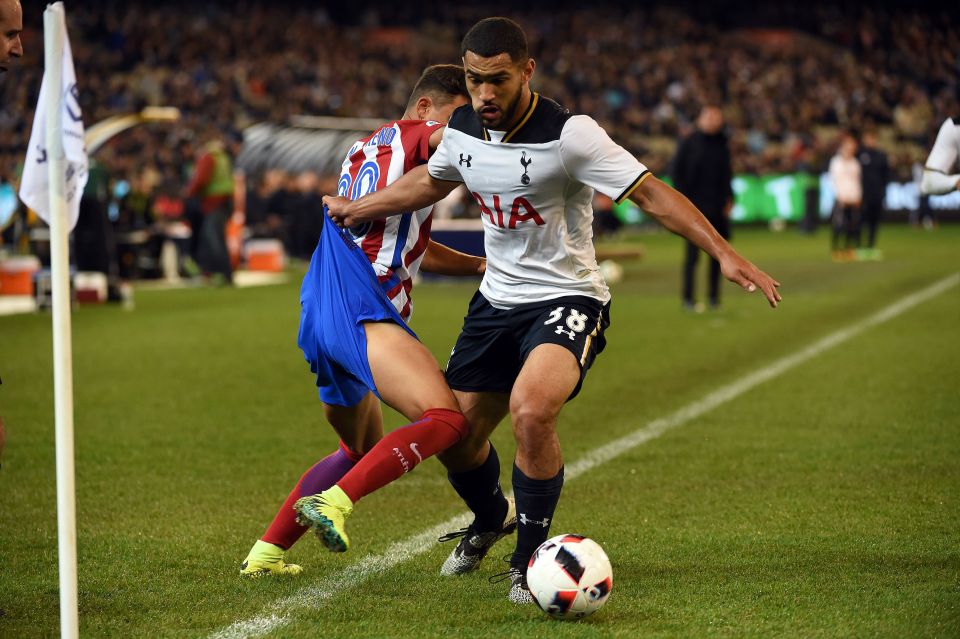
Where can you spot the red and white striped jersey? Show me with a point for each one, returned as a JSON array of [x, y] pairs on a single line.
[[395, 245]]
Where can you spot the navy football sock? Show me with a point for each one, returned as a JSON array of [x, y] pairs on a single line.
[[536, 501], [480, 489]]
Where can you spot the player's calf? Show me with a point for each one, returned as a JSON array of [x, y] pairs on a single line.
[[402, 450], [395, 455]]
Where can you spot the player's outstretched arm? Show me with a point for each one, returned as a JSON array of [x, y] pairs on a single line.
[[414, 190], [679, 215], [937, 183], [443, 260], [937, 178]]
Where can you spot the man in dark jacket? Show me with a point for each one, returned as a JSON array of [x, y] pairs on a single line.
[[874, 176], [702, 172]]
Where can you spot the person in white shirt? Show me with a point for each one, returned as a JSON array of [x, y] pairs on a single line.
[[848, 188], [940, 174], [537, 323]]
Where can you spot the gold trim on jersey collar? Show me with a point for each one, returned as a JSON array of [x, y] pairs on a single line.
[[535, 98]]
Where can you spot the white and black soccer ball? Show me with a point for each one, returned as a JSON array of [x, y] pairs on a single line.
[[569, 576]]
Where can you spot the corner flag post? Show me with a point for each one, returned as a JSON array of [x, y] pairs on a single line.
[[53, 36]]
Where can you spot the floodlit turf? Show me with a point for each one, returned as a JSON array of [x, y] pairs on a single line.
[[823, 503]]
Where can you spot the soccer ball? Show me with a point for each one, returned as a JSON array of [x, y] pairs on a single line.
[[611, 271], [569, 576]]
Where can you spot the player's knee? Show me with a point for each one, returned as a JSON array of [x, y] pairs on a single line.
[[452, 418], [530, 415]]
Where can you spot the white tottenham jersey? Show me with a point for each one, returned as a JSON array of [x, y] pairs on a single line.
[[535, 185], [941, 172]]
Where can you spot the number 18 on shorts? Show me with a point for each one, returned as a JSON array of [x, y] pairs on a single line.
[[494, 342]]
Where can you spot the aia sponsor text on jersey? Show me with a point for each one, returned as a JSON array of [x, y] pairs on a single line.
[[496, 214]]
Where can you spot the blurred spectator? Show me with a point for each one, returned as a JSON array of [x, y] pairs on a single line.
[[93, 241], [702, 171], [808, 167], [875, 172], [923, 215], [264, 206], [307, 209], [912, 115], [845, 177], [212, 186]]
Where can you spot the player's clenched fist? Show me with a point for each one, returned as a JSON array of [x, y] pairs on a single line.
[[336, 208]]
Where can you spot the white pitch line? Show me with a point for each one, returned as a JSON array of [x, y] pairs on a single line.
[[281, 612]]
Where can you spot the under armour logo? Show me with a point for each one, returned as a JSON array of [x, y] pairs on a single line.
[[525, 179], [465, 159], [524, 520]]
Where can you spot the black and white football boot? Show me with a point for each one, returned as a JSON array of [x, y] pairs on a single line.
[[473, 546]]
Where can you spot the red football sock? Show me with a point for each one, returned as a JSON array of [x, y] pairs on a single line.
[[285, 531], [400, 451]]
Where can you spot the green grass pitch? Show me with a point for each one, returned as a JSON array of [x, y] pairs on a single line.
[[822, 503]]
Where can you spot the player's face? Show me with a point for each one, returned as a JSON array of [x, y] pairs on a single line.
[[497, 85], [11, 24], [443, 112]]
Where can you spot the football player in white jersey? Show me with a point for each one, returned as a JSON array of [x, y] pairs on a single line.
[[941, 173], [536, 324]]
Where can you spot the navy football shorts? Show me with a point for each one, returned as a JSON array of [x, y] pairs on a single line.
[[494, 343]]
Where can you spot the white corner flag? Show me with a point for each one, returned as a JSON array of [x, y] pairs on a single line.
[[35, 185], [53, 181]]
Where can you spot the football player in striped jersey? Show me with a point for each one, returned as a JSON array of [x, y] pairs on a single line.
[[355, 301]]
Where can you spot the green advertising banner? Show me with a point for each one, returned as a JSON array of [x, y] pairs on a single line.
[[756, 198], [761, 199]]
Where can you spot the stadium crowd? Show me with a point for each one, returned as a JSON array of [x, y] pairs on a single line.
[[787, 77]]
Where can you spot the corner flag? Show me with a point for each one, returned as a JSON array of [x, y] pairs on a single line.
[[35, 186], [53, 181]]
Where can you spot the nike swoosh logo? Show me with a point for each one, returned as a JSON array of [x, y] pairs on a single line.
[[416, 452]]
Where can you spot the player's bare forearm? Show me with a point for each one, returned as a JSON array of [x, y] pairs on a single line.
[[414, 190], [443, 260], [678, 214], [675, 212], [936, 183]]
